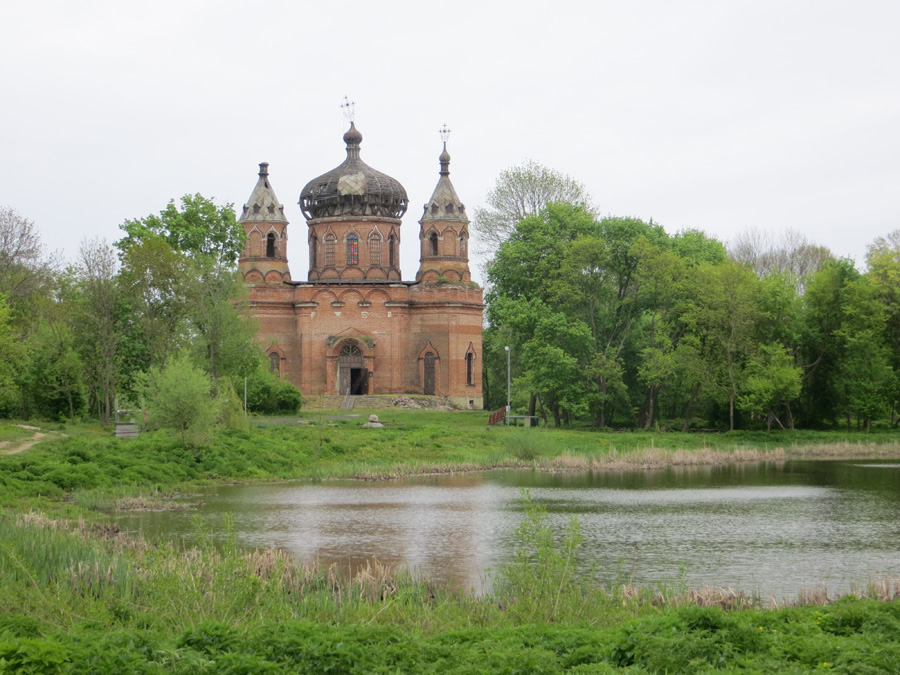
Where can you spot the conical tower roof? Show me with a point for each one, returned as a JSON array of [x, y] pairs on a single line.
[[444, 205], [263, 206]]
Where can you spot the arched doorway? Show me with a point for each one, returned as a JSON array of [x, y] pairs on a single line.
[[428, 388], [353, 377]]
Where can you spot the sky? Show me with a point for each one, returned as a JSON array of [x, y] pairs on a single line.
[[699, 114]]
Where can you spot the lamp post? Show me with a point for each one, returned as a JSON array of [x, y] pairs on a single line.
[[508, 381]]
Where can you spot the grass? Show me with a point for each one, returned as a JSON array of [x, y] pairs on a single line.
[[88, 469], [79, 596]]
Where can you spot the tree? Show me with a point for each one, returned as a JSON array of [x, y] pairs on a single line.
[[52, 372], [792, 254], [179, 270], [771, 380], [24, 268], [198, 228], [10, 355], [178, 396], [722, 313], [822, 348], [866, 376], [523, 191], [100, 333], [223, 331]]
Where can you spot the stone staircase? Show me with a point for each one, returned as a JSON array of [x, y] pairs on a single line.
[[374, 402], [322, 403]]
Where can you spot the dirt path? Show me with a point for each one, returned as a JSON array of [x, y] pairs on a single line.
[[12, 447]]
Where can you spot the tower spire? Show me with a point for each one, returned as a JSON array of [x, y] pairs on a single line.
[[444, 232]]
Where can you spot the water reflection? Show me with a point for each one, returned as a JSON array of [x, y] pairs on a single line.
[[772, 528]]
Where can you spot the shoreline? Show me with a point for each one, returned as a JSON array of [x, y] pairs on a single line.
[[648, 459]]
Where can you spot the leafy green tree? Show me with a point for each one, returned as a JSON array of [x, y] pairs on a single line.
[[155, 281], [224, 331], [866, 375], [99, 328], [197, 228], [722, 313], [52, 376], [771, 382], [822, 346], [10, 355], [183, 290], [179, 396]]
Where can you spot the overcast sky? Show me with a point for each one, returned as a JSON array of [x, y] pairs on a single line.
[[713, 115]]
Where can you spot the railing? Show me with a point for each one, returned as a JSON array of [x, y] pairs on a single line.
[[497, 416]]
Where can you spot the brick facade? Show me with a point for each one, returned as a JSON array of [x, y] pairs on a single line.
[[354, 326]]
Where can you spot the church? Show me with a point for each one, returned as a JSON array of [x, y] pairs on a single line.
[[354, 327]]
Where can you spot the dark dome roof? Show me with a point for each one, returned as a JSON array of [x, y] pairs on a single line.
[[353, 189]]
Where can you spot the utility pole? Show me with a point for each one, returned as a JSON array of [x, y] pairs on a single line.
[[508, 383]]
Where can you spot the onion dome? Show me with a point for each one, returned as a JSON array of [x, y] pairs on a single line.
[[444, 204], [353, 189]]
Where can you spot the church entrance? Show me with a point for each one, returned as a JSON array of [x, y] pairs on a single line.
[[353, 377], [428, 389]]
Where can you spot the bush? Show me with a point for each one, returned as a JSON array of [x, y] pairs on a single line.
[[268, 394]]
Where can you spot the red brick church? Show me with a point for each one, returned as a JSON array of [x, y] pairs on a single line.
[[354, 326]]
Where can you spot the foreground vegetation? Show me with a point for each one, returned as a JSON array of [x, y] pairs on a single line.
[[79, 596], [85, 599]]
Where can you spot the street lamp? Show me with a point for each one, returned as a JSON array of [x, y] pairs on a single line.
[[508, 381]]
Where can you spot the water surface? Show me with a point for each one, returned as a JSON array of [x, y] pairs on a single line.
[[768, 528]]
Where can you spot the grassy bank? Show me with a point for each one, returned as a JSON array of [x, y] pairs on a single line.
[[87, 465]]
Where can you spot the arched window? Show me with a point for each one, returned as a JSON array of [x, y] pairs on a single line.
[[463, 246], [329, 250], [375, 250], [313, 252], [275, 363], [470, 368], [352, 250], [433, 239], [392, 255], [270, 245]]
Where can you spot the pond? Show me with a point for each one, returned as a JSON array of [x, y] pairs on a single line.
[[769, 528]]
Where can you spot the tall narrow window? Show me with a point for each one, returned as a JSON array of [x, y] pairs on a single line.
[[375, 250], [463, 246], [275, 363], [270, 245], [329, 250], [392, 256], [433, 239], [470, 368], [429, 375], [352, 250], [313, 252]]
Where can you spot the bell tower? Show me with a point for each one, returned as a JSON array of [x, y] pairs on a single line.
[[444, 230], [264, 258]]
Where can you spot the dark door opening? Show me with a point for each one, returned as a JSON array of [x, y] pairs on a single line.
[[359, 381], [350, 372]]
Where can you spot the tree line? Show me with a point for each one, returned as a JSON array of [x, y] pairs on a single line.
[[614, 322], [155, 318]]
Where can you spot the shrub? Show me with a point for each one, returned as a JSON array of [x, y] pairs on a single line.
[[268, 394]]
